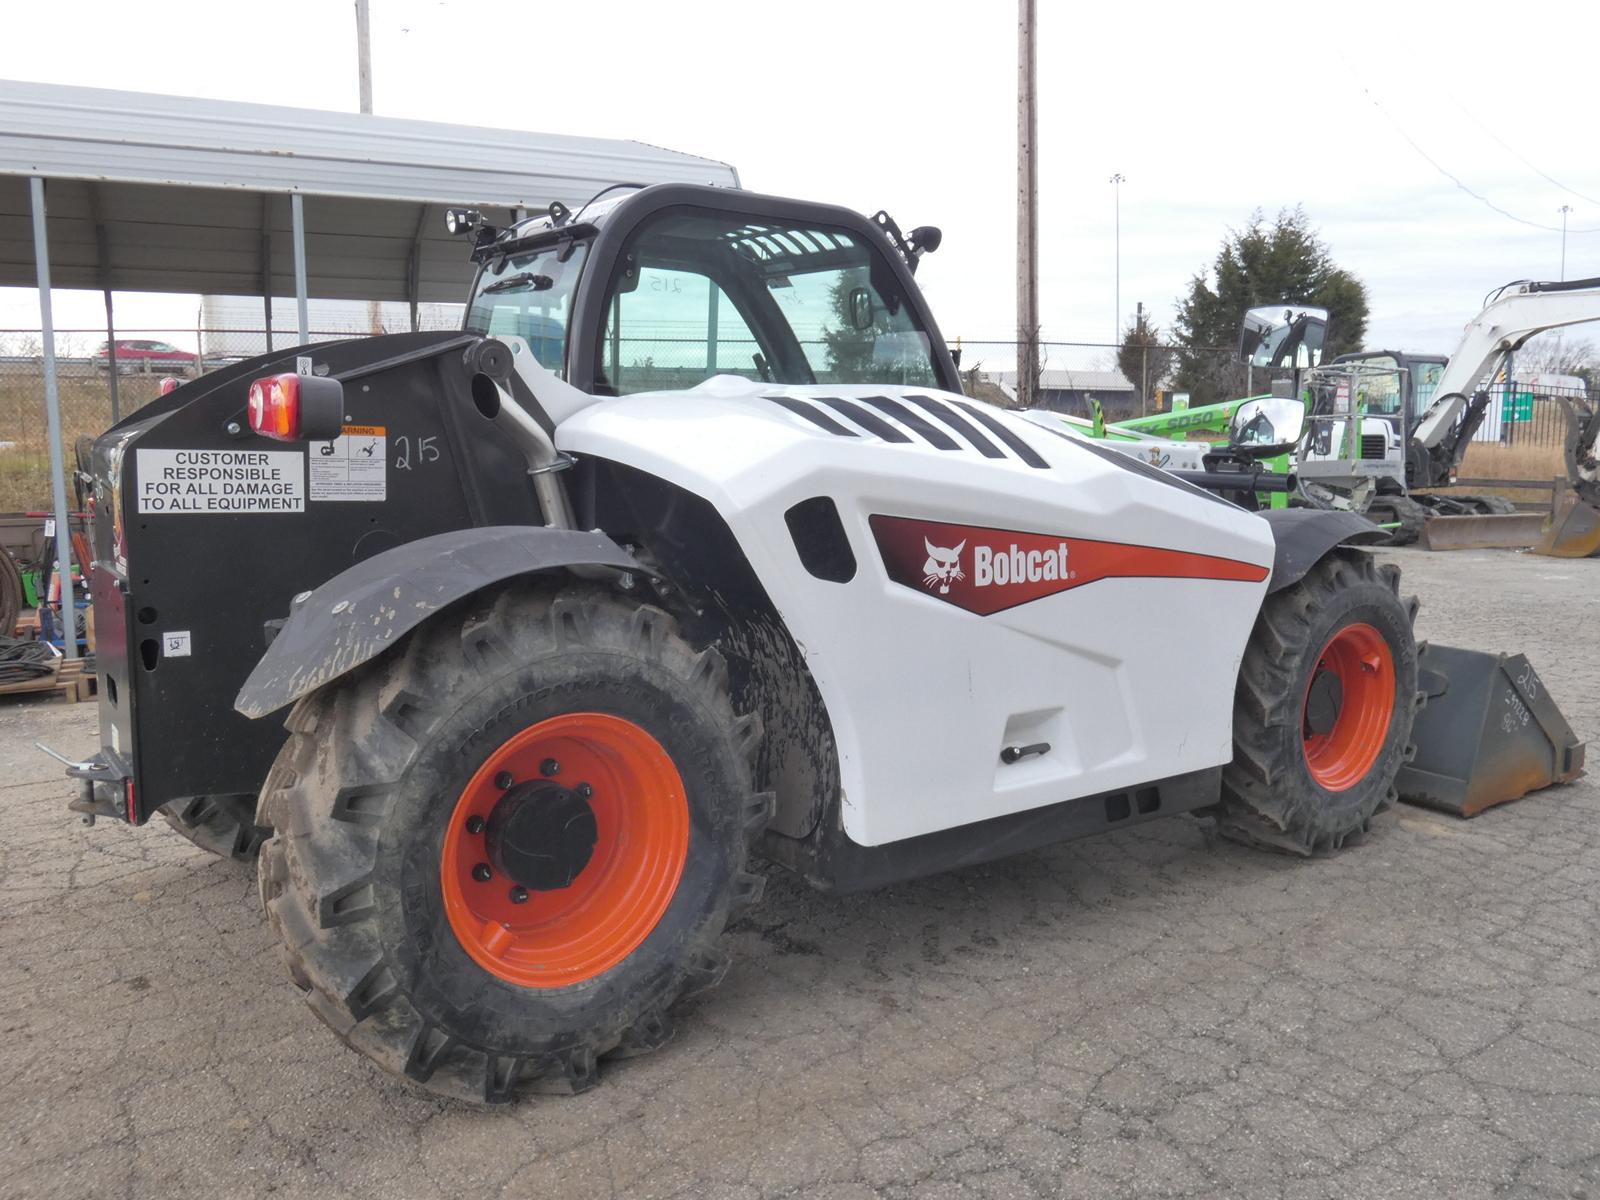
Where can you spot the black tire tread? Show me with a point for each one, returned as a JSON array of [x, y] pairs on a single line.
[[1411, 515], [222, 825], [364, 735], [1259, 806]]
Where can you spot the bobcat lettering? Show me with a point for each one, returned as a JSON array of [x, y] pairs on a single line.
[[991, 565]]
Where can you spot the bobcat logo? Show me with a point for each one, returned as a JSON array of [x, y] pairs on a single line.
[[943, 566]]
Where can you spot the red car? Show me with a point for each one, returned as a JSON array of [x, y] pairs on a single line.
[[139, 355]]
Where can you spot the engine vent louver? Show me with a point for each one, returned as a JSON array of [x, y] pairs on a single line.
[[900, 420]]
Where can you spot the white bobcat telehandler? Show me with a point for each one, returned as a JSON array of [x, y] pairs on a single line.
[[687, 549]]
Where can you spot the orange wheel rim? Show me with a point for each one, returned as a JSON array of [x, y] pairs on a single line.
[[564, 850], [1347, 706]]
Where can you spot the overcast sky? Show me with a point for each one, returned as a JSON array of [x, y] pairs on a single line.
[[1210, 111]]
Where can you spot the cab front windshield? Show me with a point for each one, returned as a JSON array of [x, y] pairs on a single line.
[[530, 296], [698, 293]]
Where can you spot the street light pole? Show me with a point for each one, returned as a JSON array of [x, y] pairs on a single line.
[[1117, 181], [1565, 209]]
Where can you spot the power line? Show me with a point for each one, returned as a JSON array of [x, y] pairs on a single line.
[[1437, 166], [1511, 150]]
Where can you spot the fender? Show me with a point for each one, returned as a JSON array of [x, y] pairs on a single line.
[[1301, 536], [361, 612]]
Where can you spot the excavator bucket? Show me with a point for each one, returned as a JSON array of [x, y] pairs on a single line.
[[1483, 531], [1488, 732], [1573, 527]]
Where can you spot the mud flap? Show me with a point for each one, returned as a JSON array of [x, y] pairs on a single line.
[[1483, 531], [1488, 732], [1573, 529]]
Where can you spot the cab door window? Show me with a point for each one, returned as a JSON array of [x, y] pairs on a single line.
[[674, 328]]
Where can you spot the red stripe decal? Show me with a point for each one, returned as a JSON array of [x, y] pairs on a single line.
[[989, 570]]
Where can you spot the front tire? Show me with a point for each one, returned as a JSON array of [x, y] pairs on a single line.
[[1323, 709], [506, 849]]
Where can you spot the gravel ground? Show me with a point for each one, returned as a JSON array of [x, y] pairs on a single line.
[[1150, 1013]]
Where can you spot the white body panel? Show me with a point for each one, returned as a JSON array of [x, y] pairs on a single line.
[[923, 695]]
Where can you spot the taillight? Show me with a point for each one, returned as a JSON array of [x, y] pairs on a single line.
[[274, 407], [130, 800], [294, 408], [170, 384]]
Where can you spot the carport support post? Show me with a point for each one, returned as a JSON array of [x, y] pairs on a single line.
[[52, 407], [297, 210], [111, 342]]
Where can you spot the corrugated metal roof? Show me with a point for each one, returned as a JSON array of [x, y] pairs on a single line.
[[134, 137], [187, 189]]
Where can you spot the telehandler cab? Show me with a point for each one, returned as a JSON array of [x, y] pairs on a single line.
[[688, 548]]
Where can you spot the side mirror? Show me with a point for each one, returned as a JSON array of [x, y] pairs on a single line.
[[1283, 336], [861, 308], [1266, 428]]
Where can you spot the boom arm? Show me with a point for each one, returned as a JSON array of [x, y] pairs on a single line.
[[1505, 325]]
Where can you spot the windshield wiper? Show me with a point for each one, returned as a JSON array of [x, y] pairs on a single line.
[[534, 283]]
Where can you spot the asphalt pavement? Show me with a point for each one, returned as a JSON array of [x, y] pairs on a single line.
[[1153, 1013]]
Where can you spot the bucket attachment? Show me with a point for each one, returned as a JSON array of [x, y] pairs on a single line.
[[1488, 733], [1573, 530], [1483, 531]]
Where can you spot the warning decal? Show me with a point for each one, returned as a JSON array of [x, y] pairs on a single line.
[[221, 481], [351, 467]]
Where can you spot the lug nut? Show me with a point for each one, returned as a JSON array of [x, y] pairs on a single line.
[[549, 767], [482, 873], [519, 895], [474, 824], [584, 791], [504, 780]]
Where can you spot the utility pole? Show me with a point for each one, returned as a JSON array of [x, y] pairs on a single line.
[[1117, 181], [1144, 363], [364, 55], [1027, 211], [1565, 209]]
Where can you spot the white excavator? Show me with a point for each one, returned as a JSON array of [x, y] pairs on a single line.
[[1513, 315], [1363, 451]]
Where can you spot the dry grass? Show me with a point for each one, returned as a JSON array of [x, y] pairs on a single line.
[[85, 409], [1489, 460]]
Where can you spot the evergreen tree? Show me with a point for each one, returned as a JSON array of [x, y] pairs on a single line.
[[1261, 264]]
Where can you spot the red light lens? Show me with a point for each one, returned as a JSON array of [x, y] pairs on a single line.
[[274, 407], [131, 801], [170, 384]]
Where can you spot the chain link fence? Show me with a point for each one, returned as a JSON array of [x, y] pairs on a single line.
[[1524, 414]]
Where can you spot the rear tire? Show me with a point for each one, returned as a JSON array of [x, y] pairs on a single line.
[[1323, 709], [222, 825], [407, 945], [1389, 510]]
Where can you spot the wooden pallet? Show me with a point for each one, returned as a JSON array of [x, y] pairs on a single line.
[[70, 682]]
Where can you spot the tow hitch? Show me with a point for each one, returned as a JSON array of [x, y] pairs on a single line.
[[105, 786]]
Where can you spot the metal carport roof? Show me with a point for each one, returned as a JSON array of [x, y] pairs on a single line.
[[172, 194], [124, 191]]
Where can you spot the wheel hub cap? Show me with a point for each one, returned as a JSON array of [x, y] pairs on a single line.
[[1323, 702], [541, 835]]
